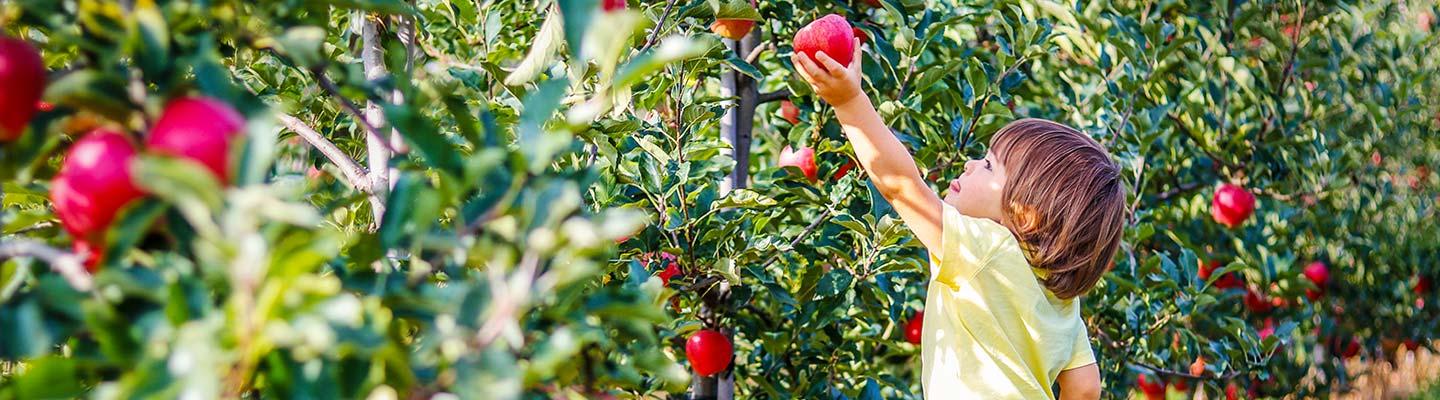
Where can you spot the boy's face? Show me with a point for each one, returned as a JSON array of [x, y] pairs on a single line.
[[976, 192]]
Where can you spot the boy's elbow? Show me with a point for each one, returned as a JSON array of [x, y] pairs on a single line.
[[1089, 390]]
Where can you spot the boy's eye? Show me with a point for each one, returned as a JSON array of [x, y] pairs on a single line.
[[987, 164]]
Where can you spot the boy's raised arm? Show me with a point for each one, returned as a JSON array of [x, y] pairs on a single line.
[[888, 162]]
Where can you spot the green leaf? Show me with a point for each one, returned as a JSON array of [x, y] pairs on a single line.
[[100, 92], [150, 40], [577, 15], [422, 133], [835, 282], [542, 51], [734, 9], [302, 44]]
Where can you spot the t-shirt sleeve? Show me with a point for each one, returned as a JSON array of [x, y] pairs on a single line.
[[1082, 354], [967, 245]]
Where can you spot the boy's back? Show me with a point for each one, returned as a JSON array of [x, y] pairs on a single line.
[[990, 327]]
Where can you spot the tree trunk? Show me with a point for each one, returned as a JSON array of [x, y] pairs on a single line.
[[735, 130]]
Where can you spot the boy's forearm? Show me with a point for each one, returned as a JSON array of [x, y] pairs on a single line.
[[881, 154]]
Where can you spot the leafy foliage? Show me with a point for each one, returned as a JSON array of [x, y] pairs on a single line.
[[548, 152]]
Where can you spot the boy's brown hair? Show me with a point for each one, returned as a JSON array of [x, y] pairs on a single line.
[[1063, 200]]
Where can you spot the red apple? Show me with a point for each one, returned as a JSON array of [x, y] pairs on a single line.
[[1268, 330], [1181, 384], [1313, 294], [803, 159], [1376, 159], [831, 35], [872, 3], [1318, 273], [1352, 349], [914, 329], [42, 106], [1422, 285], [1154, 388], [790, 112], [671, 265], [709, 352], [1232, 392], [1411, 344], [612, 5], [1256, 302], [1197, 368], [94, 183], [22, 75], [844, 169], [1232, 205], [733, 29], [199, 128], [860, 34], [89, 252], [1228, 281]]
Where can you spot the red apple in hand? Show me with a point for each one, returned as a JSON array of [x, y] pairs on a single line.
[[830, 34], [914, 329], [22, 80], [803, 159], [733, 29], [199, 128], [709, 352], [1232, 205], [94, 183], [789, 112]]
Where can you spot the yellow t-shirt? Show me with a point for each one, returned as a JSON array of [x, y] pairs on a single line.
[[992, 330]]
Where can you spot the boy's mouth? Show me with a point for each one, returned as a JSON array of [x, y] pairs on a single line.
[[955, 186]]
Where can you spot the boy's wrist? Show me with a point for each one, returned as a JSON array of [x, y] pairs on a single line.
[[857, 103]]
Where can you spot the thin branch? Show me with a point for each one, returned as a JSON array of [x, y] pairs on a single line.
[[1174, 373], [67, 264], [354, 174], [660, 25], [773, 96], [1182, 189], [970, 129], [755, 53], [349, 107], [818, 220], [1198, 143]]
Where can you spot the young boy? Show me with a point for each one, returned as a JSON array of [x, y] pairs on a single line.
[[1018, 237]]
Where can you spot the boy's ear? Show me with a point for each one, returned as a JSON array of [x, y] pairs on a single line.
[[1024, 217]]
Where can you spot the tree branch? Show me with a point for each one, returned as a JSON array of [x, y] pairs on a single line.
[[349, 107], [372, 57], [777, 95], [69, 265], [1183, 188], [354, 174], [660, 25], [818, 220]]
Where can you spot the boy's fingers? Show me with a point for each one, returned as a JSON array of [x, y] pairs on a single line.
[[809, 67], [859, 55], [831, 66]]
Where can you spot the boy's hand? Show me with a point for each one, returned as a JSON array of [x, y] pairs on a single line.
[[835, 84]]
